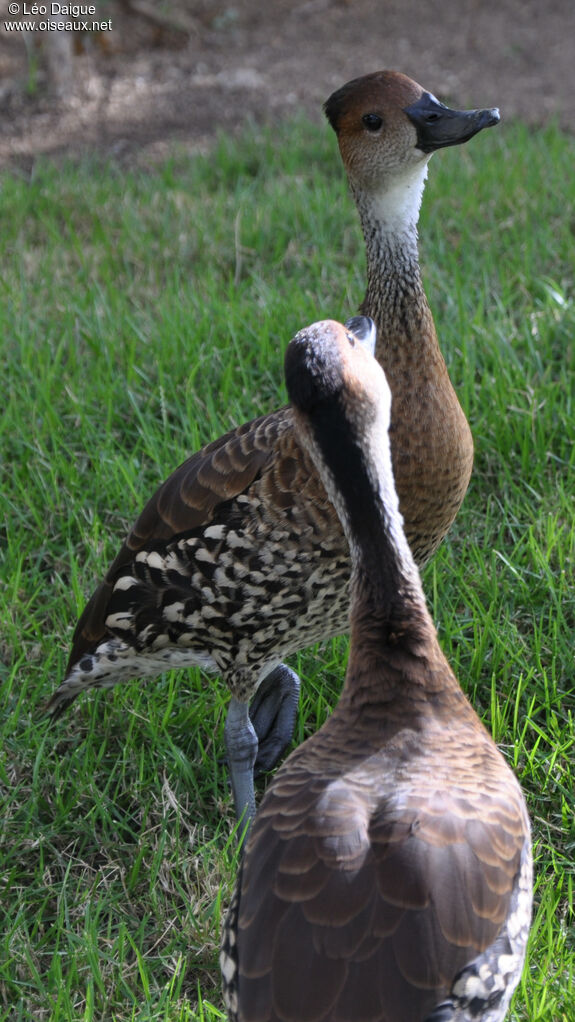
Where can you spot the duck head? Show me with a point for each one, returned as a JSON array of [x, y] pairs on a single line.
[[341, 403], [388, 126], [332, 376]]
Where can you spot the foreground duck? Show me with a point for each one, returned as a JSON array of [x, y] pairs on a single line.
[[388, 874], [239, 558]]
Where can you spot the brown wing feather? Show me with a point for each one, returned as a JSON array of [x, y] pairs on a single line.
[[189, 499], [363, 905]]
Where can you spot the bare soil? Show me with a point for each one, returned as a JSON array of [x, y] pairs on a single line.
[[177, 72]]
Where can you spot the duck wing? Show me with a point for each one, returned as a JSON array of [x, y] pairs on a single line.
[[197, 494]]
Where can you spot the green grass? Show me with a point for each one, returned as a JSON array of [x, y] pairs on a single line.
[[142, 315]]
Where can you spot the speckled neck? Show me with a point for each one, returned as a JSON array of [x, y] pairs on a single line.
[[395, 298], [431, 440]]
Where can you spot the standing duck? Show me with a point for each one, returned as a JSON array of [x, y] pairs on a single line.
[[387, 127], [387, 875], [239, 559]]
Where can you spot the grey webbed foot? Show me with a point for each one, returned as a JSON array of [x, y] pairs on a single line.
[[273, 713]]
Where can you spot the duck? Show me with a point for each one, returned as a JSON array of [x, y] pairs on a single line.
[[375, 118], [238, 559], [387, 875]]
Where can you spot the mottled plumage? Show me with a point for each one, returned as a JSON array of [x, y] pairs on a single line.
[[207, 586], [238, 559], [387, 874]]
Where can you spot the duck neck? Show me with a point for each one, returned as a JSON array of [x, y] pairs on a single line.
[[395, 298], [395, 658], [388, 605], [394, 654], [387, 597]]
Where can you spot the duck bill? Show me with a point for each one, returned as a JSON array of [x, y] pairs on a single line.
[[438, 126]]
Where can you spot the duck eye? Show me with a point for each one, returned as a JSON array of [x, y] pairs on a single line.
[[372, 122]]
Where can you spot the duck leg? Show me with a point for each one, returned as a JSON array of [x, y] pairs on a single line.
[[273, 712], [241, 747]]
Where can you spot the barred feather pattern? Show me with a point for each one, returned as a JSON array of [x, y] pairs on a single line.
[[231, 593]]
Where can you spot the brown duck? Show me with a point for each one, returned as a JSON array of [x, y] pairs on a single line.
[[239, 559], [387, 876]]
